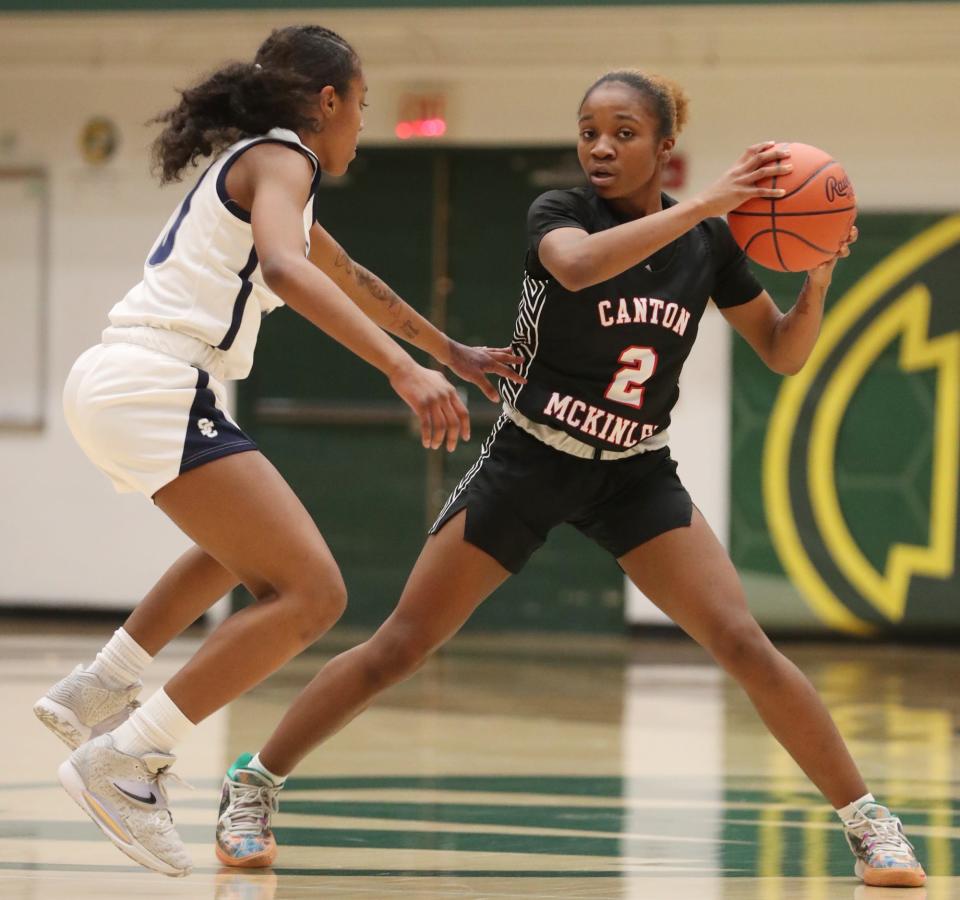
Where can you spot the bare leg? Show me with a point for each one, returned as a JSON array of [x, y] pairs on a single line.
[[242, 513], [687, 573], [450, 579], [184, 593]]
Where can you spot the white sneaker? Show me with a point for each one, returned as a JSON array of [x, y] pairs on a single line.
[[80, 707], [885, 857], [126, 798]]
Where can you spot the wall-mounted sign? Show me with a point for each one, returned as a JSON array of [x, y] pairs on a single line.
[[422, 116], [99, 140]]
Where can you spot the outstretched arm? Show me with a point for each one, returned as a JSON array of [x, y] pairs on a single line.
[[281, 180], [388, 310], [376, 298]]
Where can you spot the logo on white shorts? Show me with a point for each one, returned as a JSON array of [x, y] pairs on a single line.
[[206, 428]]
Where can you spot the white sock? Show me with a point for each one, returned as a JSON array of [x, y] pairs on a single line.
[[848, 811], [121, 662], [258, 766], [158, 725]]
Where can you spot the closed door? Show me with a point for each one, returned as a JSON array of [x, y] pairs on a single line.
[[446, 229]]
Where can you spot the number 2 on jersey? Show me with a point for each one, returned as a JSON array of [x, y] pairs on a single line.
[[639, 363]]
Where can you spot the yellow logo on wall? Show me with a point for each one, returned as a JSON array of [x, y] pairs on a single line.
[[99, 140], [910, 300]]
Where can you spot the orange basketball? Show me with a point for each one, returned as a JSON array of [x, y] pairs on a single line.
[[804, 227]]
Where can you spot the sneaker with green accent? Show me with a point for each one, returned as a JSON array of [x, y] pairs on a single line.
[[248, 800], [885, 857]]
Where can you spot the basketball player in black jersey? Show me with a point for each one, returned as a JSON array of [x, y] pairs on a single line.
[[618, 277]]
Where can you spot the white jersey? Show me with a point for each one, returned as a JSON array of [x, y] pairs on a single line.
[[202, 277]]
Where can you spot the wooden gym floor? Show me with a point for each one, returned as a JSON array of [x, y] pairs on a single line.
[[549, 767]]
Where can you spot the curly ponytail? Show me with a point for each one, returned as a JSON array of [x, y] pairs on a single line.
[[668, 101], [241, 100]]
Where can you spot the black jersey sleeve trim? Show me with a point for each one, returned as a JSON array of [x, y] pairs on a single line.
[[231, 205]]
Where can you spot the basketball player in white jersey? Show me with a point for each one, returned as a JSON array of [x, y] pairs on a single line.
[[147, 405]]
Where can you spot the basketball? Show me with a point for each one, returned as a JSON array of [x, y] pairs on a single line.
[[804, 227]]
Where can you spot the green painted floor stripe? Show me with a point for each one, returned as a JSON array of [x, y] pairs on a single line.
[[513, 784]]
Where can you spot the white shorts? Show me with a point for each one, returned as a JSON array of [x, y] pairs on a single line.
[[144, 410]]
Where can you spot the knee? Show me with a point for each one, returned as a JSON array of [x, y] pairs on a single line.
[[395, 654], [328, 602], [316, 605], [332, 604], [743, 650]]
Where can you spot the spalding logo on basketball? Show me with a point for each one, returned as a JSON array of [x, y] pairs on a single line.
[[804, 227]]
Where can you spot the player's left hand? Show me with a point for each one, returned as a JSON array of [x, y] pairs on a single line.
[[471, 364], [824, 272]]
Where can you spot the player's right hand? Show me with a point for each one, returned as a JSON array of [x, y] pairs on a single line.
[[435, 402], [739, 183]]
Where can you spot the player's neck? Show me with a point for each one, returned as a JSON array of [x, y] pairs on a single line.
[[641, 203]]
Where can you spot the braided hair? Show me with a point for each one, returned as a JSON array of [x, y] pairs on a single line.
[[243, 99]]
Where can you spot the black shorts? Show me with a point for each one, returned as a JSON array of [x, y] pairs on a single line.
[[520, 488]]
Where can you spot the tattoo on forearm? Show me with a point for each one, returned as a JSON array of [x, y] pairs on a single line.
[[802, 306], [386, 295], [344, 262], [808, 294], [376, 288], [796, 331]]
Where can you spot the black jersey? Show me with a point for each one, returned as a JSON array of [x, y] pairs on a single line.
[[603, 364]]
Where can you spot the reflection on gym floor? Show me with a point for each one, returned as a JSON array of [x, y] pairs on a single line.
[[510, 767]]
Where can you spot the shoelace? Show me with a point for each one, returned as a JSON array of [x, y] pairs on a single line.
[[249, 806], [885, 835], [164, 777]]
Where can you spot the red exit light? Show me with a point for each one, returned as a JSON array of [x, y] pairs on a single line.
[[421, 115], [421, 128]]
